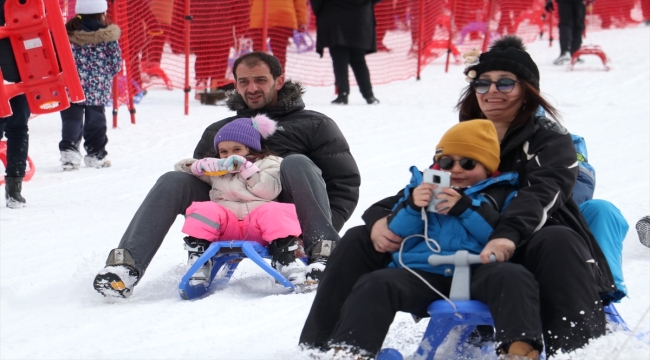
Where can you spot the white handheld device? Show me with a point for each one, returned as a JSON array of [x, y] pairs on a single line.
[[440, 178]]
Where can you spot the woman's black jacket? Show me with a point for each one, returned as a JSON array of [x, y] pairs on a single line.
[[542, 153]]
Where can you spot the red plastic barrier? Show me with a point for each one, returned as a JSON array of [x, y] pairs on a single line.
[[31, 26], [29, 172]]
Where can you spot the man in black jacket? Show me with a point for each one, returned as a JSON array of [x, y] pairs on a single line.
[[318, 174]]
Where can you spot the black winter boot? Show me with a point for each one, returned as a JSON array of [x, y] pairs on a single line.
[[342, 99], [371, 100], [318, 259], [13, 187], [118, 278], [283, 253]]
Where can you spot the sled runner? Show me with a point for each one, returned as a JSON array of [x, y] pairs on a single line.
[[464, 312], [226, 256]]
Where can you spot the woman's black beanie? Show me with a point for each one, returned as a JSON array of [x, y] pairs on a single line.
[[507, 54]]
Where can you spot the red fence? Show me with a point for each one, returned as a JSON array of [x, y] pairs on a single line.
[[163, 40]]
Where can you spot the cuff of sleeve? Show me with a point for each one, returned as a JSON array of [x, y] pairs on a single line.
[[460, 207], [372, 215], [249, 170], [412, 205], [196, 168], [506, 233]]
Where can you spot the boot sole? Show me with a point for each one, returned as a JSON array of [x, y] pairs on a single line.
[[110, 285]]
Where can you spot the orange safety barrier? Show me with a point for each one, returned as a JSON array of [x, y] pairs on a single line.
[[30, 26]]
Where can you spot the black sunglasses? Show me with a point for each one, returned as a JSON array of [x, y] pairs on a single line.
[[447, 163], [504, 86]]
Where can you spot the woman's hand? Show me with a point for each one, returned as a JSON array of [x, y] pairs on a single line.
[[382, 238], [450, 197], [502, 248]]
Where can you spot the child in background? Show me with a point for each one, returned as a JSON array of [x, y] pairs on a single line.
[[98, 59], [464, 221], [245, 180]]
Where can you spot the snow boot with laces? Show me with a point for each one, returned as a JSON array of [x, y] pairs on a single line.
[[195, 248], [119, 276], [284, 259], [318, 259]]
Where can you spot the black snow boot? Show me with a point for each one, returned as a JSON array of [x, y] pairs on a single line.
[[342, 99], [13, 187], [371, 100], [283, 253], [318, 259]]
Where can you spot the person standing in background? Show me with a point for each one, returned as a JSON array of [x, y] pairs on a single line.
[[14, 126], [284, 16], [347, 28], [572, 26], [98, 58]]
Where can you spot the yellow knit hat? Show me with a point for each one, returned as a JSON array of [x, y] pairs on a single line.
[[474, 139]]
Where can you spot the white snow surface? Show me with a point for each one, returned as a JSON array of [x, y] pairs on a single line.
[[51, 250]]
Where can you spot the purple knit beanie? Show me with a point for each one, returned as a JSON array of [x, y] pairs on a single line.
[[247, 131]]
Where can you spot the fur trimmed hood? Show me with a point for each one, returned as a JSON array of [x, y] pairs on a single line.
[[289, 96], [111, 33]]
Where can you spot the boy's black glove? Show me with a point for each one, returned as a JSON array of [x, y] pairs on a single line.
[[549, 6]]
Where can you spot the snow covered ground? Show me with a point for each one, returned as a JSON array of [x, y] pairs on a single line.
[[51, 250]]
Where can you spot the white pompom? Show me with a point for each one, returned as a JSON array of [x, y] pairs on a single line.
[[264, 125]]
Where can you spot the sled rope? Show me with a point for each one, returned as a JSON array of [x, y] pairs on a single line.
[[632, 333], [427, 241]]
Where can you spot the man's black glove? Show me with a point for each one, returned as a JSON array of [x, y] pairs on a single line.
[[549, 6]]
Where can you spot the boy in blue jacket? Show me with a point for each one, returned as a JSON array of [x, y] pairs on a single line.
[[465, 219], [471, 207]]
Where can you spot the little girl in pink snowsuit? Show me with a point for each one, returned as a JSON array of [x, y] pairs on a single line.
[[245, 180]]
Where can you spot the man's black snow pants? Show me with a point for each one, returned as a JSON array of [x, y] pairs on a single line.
[[358, 296], [175, 191], [572, 24]]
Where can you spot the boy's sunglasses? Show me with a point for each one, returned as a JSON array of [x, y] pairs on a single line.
[[504, 86], [447, 163]]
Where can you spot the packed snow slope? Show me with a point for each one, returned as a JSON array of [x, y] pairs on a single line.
[[51, 250]]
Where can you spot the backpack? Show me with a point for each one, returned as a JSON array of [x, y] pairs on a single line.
[[586, 183]]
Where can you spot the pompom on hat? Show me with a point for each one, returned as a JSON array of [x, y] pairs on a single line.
[[247, 131], [87, 7], [474, 139], [506, 54]]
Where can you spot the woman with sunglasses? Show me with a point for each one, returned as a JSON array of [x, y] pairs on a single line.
[[541, 230], [463, 220]]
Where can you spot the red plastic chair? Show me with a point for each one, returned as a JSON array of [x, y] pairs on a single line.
[[29, 172], [31, 26]]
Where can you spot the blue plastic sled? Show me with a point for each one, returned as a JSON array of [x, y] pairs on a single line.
[[468, 313], [227, 255]]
